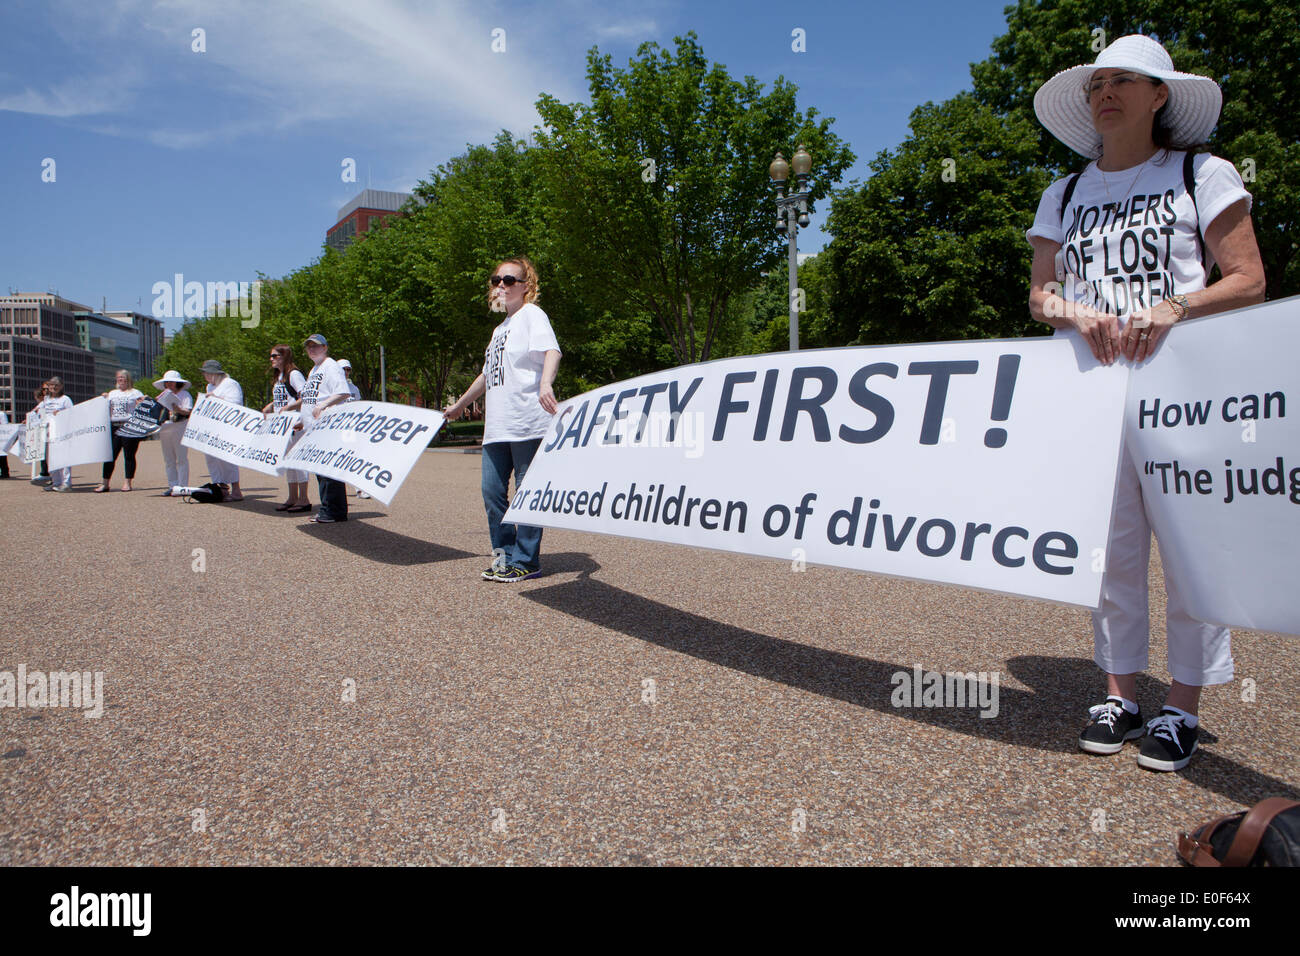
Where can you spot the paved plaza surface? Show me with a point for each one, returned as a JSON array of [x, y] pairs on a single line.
[[638, 704]]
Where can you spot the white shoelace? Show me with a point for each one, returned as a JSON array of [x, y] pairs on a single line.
[[1106, 713], [498, 559], [1165, 726]]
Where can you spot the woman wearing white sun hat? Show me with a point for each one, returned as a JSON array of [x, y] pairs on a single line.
[[176, 457], [1122, 252]]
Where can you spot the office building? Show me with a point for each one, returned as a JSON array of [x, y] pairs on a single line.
[[38, 340], [367, 211]]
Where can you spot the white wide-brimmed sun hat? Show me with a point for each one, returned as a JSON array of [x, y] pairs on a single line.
[[171, 375], [1192, 110]]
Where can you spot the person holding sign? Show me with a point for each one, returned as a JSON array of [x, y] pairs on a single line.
[[121, 401], [53, 403], [288, 384], [221, 385], [4, 456], [518, 371], [175, 395], [1122, 252], [326, 386], [32, 426]]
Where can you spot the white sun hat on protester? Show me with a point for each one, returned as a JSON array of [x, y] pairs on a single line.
[[1193, 107], [171, 375]]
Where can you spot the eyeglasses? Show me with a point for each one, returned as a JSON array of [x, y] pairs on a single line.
[[1120, 83], [508, 280]]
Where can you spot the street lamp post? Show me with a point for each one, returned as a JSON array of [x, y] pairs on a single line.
[[791, 213]]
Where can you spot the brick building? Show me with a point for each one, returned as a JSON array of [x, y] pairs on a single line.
[[367, 211]]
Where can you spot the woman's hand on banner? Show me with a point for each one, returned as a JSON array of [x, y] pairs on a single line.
[[1100, 330], [1145, 329]]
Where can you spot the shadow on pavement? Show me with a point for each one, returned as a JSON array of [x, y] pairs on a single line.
[[1048, 718], [377, 544]]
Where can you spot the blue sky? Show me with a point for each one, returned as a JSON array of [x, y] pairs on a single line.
[[223, 163]]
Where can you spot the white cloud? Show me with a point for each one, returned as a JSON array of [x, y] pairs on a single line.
[[413, 68], [639, 30], [79, 95]]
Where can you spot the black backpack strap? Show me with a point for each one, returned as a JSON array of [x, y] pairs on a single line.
[[1069, 192], [1189, 183]]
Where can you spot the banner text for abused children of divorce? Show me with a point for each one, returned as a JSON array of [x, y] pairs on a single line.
[[988, 464]]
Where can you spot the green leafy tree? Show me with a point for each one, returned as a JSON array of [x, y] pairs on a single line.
[[932, 247], [657, 190]]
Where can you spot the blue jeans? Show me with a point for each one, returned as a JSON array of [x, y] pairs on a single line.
[[333, 498], [521, 543]]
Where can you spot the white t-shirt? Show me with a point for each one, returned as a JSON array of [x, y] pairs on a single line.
[[228, 390], [280, 396], [121, 402], [1134, 246], [51, 405], [325, 381], [355, 392], [512, 369]]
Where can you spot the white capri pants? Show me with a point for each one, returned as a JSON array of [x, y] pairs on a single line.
[[222, 472], [176, 457], [1199, 653]]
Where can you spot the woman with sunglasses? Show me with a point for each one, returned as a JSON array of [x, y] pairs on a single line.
[[519, 369], [1122, 252], [287, 386]]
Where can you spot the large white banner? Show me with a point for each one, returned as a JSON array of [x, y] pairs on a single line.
[[80, 435], [988, 464], [370, 445], [239, 435], [1213, 426], [11, 440]]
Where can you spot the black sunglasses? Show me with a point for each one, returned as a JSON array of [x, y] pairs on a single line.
[[508, 280]]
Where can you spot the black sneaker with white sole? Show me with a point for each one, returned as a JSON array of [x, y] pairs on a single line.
[[1109, 725], [1168, 743], [514, 572]]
